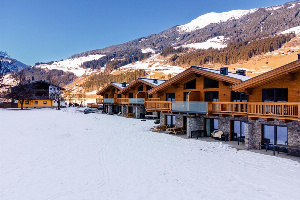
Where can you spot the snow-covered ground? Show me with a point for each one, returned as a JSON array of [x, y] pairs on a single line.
[[72, 64], [48, 154], [216, 42], [152, 65]]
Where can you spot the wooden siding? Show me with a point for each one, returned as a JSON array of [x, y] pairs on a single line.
[[40, 103], [292, 85], [197, 94]]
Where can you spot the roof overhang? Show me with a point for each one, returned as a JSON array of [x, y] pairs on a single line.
[[189, 74], [107, 88], [134, 84], [284, 71]]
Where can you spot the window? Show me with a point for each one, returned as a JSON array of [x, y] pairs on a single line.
[[106, 96], [211, 125], [113, 90], [140, 88], [170, 121], [275, 95], [170, 96], [26, 102], [149, 87], [36, 102], [130, 95], [276, 134], [238, 129], [130, 109], [44, 102], [119, 95], [210, 83], [211, 96], [239, 97], [190, 85]]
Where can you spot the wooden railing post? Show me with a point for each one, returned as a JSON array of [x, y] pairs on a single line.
[[298, 111]]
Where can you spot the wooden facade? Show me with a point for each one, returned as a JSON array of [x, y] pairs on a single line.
[[139, 89]]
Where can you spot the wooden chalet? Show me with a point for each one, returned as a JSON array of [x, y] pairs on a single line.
[[191, 99], [273, 107], [136, 94], [111, 96]]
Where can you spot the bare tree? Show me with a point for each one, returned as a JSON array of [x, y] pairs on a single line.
[[22, 91], [55, 92]]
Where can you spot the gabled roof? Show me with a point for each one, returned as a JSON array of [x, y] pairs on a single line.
[[193, 72], [147, 81], [111, 85], [270, 76]]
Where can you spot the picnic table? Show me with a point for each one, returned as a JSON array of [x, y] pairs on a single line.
[[278, 146], [176, 130], [159, 128]]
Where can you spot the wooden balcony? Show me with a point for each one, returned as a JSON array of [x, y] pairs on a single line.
[[276, 110], [231, 108], [158, 106], [268, 110], [100, 101], [124, 101]]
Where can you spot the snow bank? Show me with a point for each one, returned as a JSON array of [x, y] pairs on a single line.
[[62, 155]]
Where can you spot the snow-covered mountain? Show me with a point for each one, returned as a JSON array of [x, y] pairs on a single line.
[[213, 17], [235, 25], [71, 65]]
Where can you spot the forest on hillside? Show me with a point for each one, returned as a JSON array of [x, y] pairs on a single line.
[[95, 81], [115, 60], [233, 53]]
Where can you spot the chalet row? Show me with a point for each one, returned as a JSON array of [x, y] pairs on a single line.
[[264, 107]]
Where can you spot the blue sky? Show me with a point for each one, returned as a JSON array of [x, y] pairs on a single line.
[[49, 30]]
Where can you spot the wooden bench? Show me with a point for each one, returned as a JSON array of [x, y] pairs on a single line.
[[176, 130], [128, 115], [159, 128]]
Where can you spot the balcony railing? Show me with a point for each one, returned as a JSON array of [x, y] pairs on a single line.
[[275, 109], [228, 107], [136, 101], [109, 100], [158, 106], [190, 107], [100, 101], [153, 99], [280, 110], [123, 100]]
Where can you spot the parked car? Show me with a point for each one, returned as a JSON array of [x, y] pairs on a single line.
[[88, 110], [100, 107]]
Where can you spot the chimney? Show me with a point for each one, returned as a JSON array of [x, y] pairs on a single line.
[[155, 81], [241, 72], [124, 84], [224, 70]]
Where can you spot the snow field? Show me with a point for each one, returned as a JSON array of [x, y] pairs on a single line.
[[51, 154]]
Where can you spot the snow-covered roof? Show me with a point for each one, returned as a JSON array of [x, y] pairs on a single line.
[[155, 82], [230, 74], [120, 85]]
